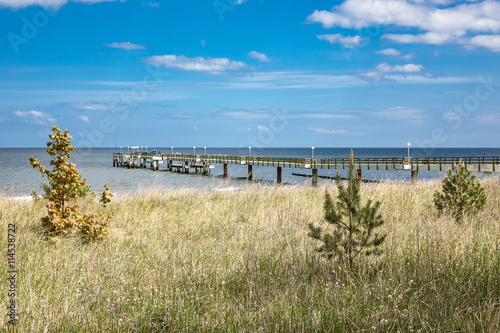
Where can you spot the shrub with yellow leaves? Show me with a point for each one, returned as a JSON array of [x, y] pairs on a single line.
[[64, 218]]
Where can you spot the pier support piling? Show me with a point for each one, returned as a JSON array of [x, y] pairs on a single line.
[[358, 173], [315, 177], [414, 175], [249, 172], [278, 176], [225, 170]]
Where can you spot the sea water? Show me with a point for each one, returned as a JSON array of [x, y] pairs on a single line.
[[18, 178]]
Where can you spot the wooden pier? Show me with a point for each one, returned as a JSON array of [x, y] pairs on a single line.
[[203, 163]]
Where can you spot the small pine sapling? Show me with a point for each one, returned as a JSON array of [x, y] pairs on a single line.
[[66, 183], [462, 195], [354, 224]]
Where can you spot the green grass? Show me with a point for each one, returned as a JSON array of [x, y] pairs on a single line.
[[242, 262]]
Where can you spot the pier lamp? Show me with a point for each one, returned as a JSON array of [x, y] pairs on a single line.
[[128, 149], [194, 150], [249, 151], [408, 144], [172, 149], [312, 149], [146, 149], [205, 149]]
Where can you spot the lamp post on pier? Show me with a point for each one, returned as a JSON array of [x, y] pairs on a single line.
[[172, 149], [408, 144], [249, 151], [194, 150], [205, 150], [312, 149]]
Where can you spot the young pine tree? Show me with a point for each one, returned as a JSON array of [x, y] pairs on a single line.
[[63, 214], [353, 223], [462, 194]]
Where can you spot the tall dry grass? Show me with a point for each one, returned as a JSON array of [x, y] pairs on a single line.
[[242, 262]]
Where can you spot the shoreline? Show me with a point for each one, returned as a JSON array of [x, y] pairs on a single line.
[[230, 188]]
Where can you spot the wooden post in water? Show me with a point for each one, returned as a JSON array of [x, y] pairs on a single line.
[[278, 176], [358, 173], [414, 175], [315, 177], [249, 172], [225, 170]]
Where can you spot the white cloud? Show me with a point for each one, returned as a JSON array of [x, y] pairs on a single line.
[[92, 106], [239, 2], [326, 115], [358, 14], [211, 65], [389, 52], [379, 74], [85, 119], [246, 114], [259, 56], [338, 132], [468, 23], [407, 57], [347, 41], [400, 113], [52, 4], [408, 68], [435, 38], [195, 128], [36, 117], [491, 42], [125, 46], [262, 128], [395, 53]]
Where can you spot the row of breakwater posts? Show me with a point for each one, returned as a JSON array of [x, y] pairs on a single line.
[[183, 163]]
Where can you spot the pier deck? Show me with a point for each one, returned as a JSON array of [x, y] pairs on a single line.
[[184, 162]]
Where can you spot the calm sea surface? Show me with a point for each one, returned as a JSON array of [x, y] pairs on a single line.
[[18, 178]]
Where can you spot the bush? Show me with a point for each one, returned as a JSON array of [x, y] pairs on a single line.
[[462, 194], [354, 224], [64, 218]]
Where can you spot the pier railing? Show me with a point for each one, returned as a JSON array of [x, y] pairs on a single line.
[[478, 163]]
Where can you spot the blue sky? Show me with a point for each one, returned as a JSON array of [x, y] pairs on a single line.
[[262, 73]]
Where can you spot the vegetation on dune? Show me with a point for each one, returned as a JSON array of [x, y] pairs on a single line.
[[354, 223], [462, 195], [243, 262], [66, 184]]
